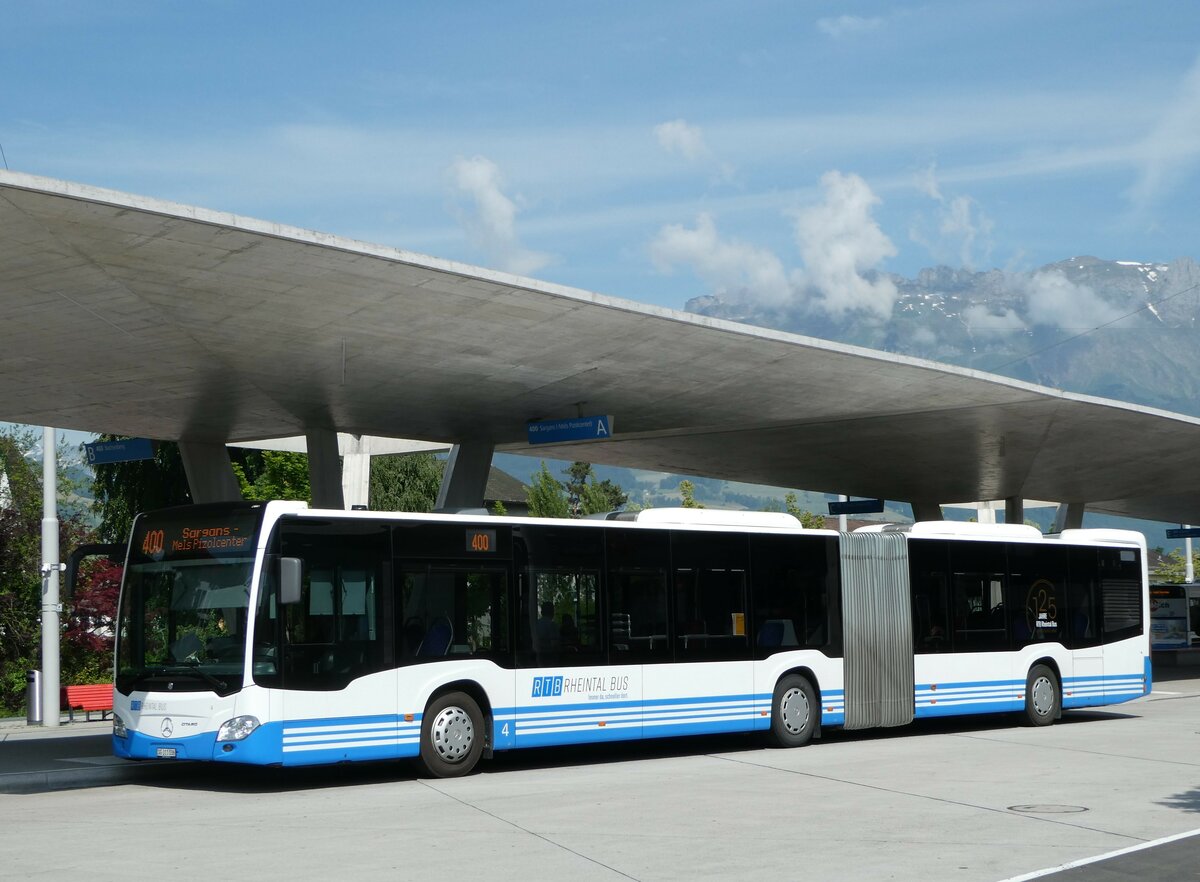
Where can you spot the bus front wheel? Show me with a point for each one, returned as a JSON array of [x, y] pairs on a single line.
[[1043, 700], [794, 711], [451, 735]]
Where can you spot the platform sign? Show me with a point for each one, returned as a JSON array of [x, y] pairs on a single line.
[[105, 452], [584, 428], [856, 506], [1183, 533]]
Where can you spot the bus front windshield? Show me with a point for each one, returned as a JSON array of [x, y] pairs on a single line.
[[181, 625]]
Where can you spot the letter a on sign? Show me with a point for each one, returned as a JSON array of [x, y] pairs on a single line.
[[601, 427]]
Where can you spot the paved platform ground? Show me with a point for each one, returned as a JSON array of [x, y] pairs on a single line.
[[978, 799]]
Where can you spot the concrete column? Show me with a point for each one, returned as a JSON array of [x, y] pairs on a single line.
[[1069, 516], [356, 470], [985, 513], [1014, 510], [209, 472], [324, 468], [465, 480], [927, 511]]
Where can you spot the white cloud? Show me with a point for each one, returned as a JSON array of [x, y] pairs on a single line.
[[726, 265], [490, 216], [848, 25], [680, 136], [841, 242], [1172, 147], [960, 225], [1053, 299], [983, 320]]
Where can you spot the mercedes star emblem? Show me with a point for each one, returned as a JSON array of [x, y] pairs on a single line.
[[167, 728]]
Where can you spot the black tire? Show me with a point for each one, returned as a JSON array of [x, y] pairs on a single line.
[[1043, 697], [794, 712], [452, 735]]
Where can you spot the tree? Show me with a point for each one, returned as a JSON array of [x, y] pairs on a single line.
[[546, 496], [87, 644], [1173, 569], [273, 474], [20, 570], [405, 482], [809, 520], [122, 489], [687, 495], [587, 496]]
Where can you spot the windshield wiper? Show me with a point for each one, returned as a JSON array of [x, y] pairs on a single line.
[[194, 665]]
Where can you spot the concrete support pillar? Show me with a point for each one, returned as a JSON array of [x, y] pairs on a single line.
[[324, 468], [985, 513], [209, 472], [1069, 516], [927, 511], [356, 470], [1014, 510], [465, 480]]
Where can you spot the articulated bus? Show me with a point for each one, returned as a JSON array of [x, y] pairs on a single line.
[[271, 634]]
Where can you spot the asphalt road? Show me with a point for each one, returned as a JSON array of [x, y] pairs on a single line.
[[978, 799]]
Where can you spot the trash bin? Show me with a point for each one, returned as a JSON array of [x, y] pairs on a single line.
[[33, 697]]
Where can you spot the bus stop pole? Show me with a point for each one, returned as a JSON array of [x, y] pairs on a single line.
[[50, 570], [1189, 569]]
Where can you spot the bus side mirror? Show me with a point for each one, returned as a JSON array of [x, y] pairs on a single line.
[[290, 572]]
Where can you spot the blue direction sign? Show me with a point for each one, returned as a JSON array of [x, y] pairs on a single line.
[[856, 506], [104, 452], [584, 428], [1184, 533]]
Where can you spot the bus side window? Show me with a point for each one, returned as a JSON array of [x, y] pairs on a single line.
[[979, 571], [637, 607], [1037, 581], [332, 635], [929, 583]]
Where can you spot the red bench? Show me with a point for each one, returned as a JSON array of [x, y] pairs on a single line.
[[92, 697]]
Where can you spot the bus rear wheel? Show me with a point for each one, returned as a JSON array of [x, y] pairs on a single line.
[[1043, 699], [794, 711], [451, 735]]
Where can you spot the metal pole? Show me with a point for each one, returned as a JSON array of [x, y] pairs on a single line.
[[50, 569], [1189, 574], [842, 497]]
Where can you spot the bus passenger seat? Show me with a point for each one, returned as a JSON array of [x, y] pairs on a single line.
[[438, 639]]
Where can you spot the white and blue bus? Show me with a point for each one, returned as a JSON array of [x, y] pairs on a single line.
[[271, 634]]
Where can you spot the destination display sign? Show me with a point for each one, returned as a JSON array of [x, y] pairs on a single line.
[[128, 450], [584, 428], [856, 506], [189, 538], [1183, 533]]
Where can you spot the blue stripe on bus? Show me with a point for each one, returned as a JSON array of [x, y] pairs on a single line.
[[370, 737]]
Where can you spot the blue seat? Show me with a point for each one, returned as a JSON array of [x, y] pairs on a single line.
[[438, 639]]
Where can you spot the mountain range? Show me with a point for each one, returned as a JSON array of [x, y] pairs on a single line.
[[1116, 329]]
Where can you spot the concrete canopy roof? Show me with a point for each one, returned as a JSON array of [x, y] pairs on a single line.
[[140, 317]]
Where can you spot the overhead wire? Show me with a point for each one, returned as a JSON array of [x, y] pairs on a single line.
[[1149, 304]]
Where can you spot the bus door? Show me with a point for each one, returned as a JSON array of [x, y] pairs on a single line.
[[1083, 630], [698, 675], [335, 659]]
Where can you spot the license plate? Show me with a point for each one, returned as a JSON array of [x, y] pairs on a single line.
[[165, 753]]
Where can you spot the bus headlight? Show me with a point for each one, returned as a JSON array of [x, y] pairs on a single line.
[[237, 729], [119, 730]]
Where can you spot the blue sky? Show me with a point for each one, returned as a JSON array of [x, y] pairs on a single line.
[[650, 151]]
